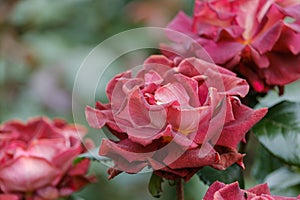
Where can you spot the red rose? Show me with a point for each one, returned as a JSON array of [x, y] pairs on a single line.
[[37, 159], [259, 39], [221, 191], [174, 118]]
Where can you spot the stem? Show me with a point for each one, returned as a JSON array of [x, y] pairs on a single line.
[[179, 189]]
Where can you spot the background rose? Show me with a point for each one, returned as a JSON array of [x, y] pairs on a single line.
[[170, 115], [258, 39], [37, 159], [231, 191]]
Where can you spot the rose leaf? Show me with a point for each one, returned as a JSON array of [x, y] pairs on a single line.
[[155, 185], [279, 132], [233, 173]]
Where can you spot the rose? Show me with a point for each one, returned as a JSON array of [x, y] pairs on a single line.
[[222, 191], [37, 159], [258, 39], [9, 197], [174, 118]]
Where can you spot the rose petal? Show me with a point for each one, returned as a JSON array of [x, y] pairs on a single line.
[[219, 78], [9, 197], [48, 193], [191, 87], [284, 69], [267, 40], [172, 92], [187, 121], [212, 190], [289, 41], [126, 149], [96, 118], [28, 174], [231, 191], [234, 131], [113, 85], [260, 189], [180, 24], [80, 168], [227, 157]]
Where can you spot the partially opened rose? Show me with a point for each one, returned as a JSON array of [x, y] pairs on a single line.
[[174, 118], [259, 39], [221, 191], [36, 159]]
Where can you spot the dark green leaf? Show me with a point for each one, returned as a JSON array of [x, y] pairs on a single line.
[[155, 185], [279, 132], [264, 163], [233, 173]]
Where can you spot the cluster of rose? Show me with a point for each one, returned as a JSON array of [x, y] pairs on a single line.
[[180, 112], [177, 114]]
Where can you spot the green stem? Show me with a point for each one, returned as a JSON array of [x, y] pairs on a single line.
[[179, 189]]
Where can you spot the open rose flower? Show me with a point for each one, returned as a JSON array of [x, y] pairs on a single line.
[[221, 191], [37, 160], [259, 39], [174, 118]]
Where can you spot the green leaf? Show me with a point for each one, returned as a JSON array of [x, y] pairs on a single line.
[[94, 156], [77, 160], [233, 173], [291, 93], [264, 163], [284, 181], [279, 132], [283, 178], [155, 185]]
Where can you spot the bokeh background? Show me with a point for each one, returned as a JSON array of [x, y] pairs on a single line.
[[42, 46]]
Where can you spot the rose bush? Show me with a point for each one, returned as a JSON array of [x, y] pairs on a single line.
[[258, 39], [174, 117], [231, 191], [37, 159]]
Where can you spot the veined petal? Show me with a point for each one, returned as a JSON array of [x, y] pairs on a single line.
[[172, 92]]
